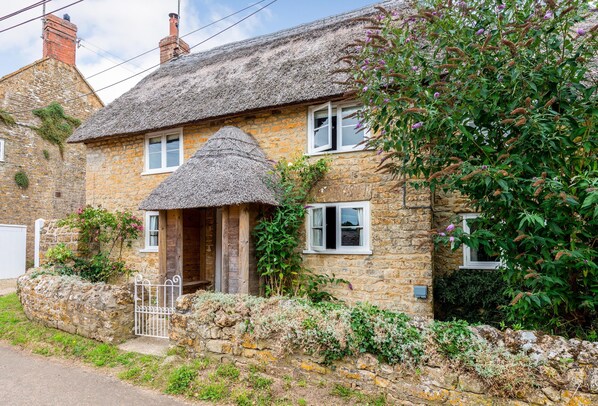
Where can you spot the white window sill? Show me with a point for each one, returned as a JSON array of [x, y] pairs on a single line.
[[158, 171], [489, 265], [338, 151], [149, 250], [340, 252]]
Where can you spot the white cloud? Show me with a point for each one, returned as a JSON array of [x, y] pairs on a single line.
[[125, 29]]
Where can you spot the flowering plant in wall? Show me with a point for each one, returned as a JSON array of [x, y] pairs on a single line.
[[100, 233], [497, 101]]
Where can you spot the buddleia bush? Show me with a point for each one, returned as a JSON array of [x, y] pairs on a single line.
[[496, 101]]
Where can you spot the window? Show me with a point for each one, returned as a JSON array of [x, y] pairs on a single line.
[[338, 228], [1, 150], [163, 151], [334, 128], [152, 227], [476, 258]]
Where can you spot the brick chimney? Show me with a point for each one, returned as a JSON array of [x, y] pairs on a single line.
[[172, 46], [60, 39]]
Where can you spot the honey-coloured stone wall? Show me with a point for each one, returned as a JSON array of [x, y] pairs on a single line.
[[401, 248]]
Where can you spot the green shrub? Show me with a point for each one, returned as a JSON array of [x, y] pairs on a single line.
[[21, 179], [454, 339], [59, 254], [477, 296], [180, 379], [228, 371]]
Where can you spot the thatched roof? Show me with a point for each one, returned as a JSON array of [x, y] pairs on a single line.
[[288, 67], [229, 169]]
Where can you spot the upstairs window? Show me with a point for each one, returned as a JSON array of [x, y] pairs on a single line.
[[163, 151], [334, 128], [1, 150], [339, 228], [477, 258]]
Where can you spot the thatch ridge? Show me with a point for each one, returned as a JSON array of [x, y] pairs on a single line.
[[229, 169], [288, 67]]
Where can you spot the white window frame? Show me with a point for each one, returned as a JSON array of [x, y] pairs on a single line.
[[363, 250], [467, 262], [333, 109], [146, 229], [163, 135], [2, 144]]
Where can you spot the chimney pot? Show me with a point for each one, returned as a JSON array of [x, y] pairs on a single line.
[[172, 46], [60, 39]]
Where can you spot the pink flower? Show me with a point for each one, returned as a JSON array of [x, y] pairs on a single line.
[[548, 15], [436, 95], [450, 227], [365, 88], [451, 239], [581, 31], [417, 125], [443, 234]]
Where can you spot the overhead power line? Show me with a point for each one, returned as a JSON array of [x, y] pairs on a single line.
[[37, 18], [155, 66], [182, 36], [39, 3]]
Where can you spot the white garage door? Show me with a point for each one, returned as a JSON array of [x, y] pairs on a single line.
[[13, 246]]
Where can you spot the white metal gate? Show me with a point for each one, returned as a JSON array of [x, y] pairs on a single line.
[[13, 251], [154, 303]]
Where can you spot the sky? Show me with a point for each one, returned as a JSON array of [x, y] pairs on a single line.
[[111, 31]]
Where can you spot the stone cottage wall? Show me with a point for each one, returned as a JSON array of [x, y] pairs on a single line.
[[568, 369], [402, 249], [93, 310], [57, 184]]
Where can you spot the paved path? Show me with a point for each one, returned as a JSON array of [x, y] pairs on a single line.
[[26, 379], [7, 286]]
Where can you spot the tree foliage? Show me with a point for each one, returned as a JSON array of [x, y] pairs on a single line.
[[496, 101]]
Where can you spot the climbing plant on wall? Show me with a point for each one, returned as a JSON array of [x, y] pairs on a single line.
[[21, 179], [6, 118], [56, 126]]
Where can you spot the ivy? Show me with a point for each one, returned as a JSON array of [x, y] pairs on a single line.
[[56, 126], [6, 118], [21, 179]]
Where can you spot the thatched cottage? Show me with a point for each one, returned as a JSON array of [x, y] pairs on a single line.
[[190, 144]]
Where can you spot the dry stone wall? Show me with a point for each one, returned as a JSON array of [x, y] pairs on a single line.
[[52, 235], [94, 310], [567, 370]]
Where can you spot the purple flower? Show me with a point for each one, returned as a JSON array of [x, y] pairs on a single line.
[[350, 286], [307, 206], [383, 132], [480, 31], [358, 48], [450, 227], [548, 15], [380, 151], [451, 239], [417, 125], [414, 68], [365, 88], [436, 95], [386, 101], [359, 125], [501, 7], [581, 31], [443, 234], [484, 167]]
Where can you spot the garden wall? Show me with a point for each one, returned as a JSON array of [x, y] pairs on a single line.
[[52, 235], [94, 310], [563, 372]]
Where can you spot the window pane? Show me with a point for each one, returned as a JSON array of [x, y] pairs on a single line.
[[316, 215], [350, 121], [352, 237], [351, 217], [153, 238], [317, 237], [482, 256], [321, 137], [172, 158], [155, 160], [321, 118], [172, 142], [153, 223], [351, 136], [155, 145]]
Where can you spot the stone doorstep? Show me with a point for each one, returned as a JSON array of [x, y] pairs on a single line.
[[146, 346]]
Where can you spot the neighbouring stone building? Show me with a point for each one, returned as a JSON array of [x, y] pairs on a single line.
[[56, 183], [279, 95]]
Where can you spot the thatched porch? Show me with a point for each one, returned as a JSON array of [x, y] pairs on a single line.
[[208, 208]]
